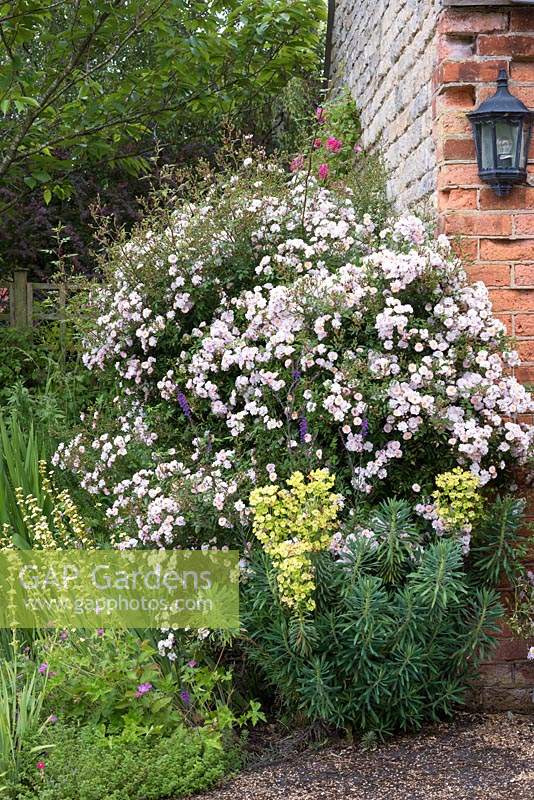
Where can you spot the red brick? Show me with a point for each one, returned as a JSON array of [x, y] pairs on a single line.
[[522, 72], [454, 122], [467, 249], [524, 275], [496, 674], [526, 94], [458, 199], [509, 650], [472, 22], [524, 224], [512, 299], [524, 374], [459, 150], [520, 197], [526, 351], [471, 71], [478, 224], [507, 249], [461, 97], [524, 324], [523, 671], [518, 47], [483, 91], [490, 274], [518, 699], [506, 319], [522, 19], [458, 175], [455, 47]]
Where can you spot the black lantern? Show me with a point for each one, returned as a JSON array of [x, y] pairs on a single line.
[[501, 125]]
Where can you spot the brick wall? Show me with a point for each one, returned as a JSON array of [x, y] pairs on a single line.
[[494, 234], [384, 50], [497, 233]]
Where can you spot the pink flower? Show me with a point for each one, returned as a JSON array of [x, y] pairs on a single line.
[[358, 148], [143, 688], [40, 765], [297, 164], [192, 663], [333, 144], [317, 143], [319, 115], [323, 171]]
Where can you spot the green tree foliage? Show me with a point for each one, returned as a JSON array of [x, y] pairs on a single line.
[[90, 82]]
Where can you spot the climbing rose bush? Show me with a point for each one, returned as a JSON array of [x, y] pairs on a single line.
[[269, 327]]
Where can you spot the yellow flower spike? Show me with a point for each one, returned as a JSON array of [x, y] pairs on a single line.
[[295, 523], [457, 498]]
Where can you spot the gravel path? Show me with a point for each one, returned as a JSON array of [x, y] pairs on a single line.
[[475, 758]]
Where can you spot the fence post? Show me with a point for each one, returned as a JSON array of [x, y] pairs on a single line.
[[20, 298]]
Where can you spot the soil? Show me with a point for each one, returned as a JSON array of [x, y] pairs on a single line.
[[476, 757]]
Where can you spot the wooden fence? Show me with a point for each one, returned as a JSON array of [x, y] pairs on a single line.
[[24, 303]]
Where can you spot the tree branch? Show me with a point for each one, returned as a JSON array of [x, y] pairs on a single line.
[[33, 11]]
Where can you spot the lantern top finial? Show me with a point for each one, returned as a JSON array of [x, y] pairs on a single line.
[[502, 78]]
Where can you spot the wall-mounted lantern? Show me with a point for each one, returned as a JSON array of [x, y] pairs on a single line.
[[502, 126]]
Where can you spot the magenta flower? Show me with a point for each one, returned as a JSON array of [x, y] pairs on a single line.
[[143, 688], [43, 668], [192, 663], [317, 143], [297, 164], [40, 765], [323, 171], [333, 144], [100, 631], [319, 115]]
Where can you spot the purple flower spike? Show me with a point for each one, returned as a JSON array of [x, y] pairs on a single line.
[[185, 697], [365, 428], [303, 428], [184, 405], [296, 375]]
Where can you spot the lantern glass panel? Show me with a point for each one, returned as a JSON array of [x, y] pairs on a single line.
[[506, 135], [487, 158], [525, 140]]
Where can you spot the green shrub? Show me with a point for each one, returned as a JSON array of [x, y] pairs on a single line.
[[116, 679], [396, 634], [95, 679], [41, 376], [83, 764]]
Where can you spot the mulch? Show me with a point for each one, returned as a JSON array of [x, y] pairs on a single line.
[[476, 757]]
